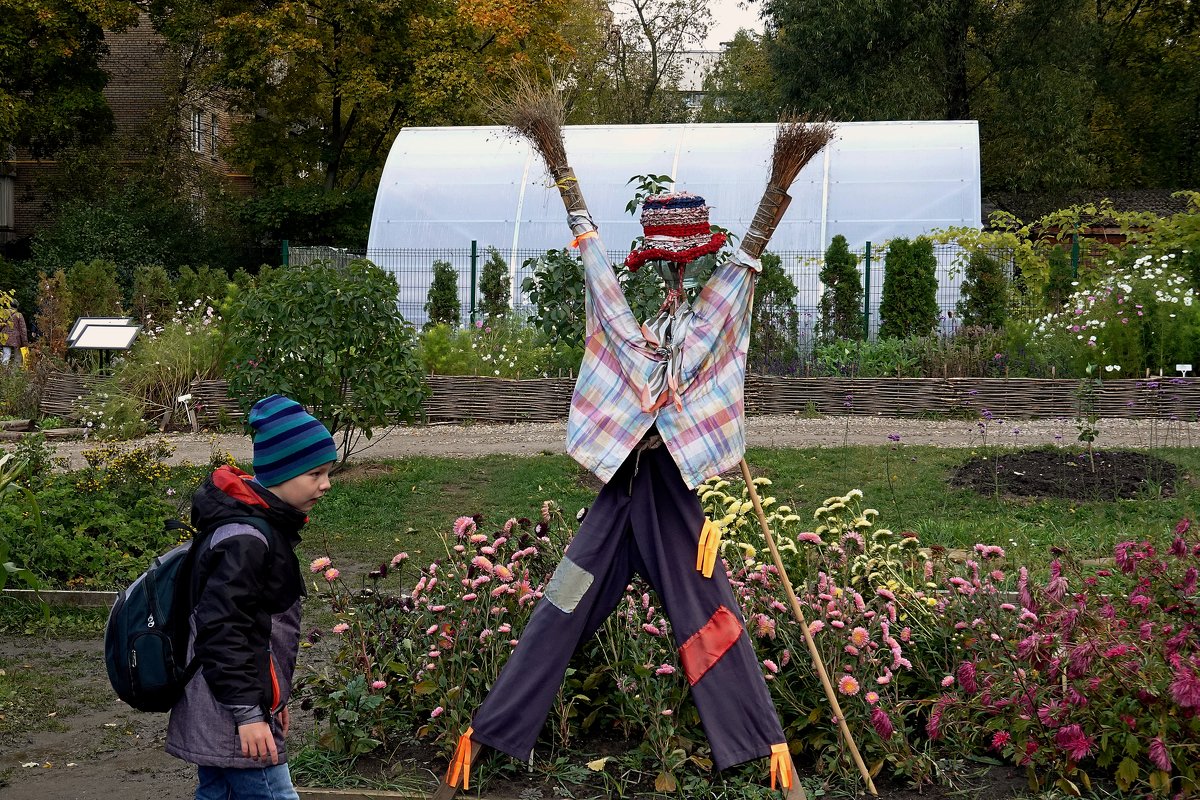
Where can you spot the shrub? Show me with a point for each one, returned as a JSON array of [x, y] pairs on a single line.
[[18, 393], [94, 290], [203, 284], [775, 332], [331, 338], [1085, 677], [498, 348], [153, 294], [556, 291], [111, 413], [171, 353], [841, 302], [909, 304], [494, 285], [442, 304], [1059, 283], [984, 302], [54, 317]]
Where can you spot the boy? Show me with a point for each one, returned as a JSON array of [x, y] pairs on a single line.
[[233, 718]]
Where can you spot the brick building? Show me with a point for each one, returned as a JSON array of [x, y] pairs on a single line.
[[146, 92]]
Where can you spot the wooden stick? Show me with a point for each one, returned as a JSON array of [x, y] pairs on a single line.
[[808, 639]]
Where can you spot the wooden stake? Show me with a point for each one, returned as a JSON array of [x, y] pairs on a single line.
[[808, 639]]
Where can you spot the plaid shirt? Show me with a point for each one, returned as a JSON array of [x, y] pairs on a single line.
[[703, 427]]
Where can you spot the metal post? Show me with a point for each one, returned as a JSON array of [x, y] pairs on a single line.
[[867, 292], [474, 264], [1075, 255], [283, 252]]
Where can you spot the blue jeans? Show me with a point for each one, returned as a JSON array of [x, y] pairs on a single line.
[[266, 783]]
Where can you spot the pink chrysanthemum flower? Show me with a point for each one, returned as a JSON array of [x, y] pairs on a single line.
[[665, 669], [871, 697], [341, 627], [947, 681], [379, 684], [319, 564], [771, 666], [483, 562], [816, 626], [848, 685], [859, 637], [396, 559], [437, 712], [332, 574], [463, 526], [1000, 739]]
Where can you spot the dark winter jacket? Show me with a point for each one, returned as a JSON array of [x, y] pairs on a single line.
[[246, 624]]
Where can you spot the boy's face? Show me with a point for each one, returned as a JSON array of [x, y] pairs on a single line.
[[303, 491]]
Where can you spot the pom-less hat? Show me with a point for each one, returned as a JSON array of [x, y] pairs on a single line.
[[675, 228], [288, 441]]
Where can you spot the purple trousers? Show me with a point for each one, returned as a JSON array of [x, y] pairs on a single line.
[[645, 520]]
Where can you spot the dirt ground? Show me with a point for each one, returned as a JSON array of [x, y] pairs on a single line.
[[467, 440], [92, 746]]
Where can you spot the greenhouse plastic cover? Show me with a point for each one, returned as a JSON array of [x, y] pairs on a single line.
[[447, 187]]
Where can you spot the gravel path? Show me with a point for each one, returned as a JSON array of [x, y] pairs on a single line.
[[776, 431]]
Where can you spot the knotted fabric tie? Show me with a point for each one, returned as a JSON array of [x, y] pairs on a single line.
[[781, 765], [666, 333], [461, 764]]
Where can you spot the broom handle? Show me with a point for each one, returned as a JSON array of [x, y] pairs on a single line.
[[808, 639], [766, 219]]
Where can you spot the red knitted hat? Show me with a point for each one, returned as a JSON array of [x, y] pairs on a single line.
[[675, 228]]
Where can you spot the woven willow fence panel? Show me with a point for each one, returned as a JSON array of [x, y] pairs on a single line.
[[455, 398]]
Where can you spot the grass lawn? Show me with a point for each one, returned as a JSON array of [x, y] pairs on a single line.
[[377, 509]]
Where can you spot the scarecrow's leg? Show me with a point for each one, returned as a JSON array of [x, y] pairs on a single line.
[[715, 651], [585, 589]]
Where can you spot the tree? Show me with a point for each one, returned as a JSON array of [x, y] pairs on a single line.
[[909, 304], [775, 332], [741, 86], [1058, 286], [494, 285], [442, 304], [51, 83], [332, 339], [644, 59], [841, 302], [984, 300]]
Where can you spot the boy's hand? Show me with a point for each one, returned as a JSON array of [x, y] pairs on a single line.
[[284, 720], [258, 742]]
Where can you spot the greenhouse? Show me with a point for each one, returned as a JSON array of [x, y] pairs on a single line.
[[453, 194]]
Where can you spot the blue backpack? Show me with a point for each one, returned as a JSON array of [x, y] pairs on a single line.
[[146, 639]]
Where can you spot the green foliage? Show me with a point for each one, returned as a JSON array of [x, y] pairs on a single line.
[[442, 303], [1059, 279], [909, 305], [307, 213], [54, 317], [21, 279], [51, 80], [203, 286], [499, 348], [153, 294], [332, 339], [984, 300], [841, 302], [93, 289], [556, 291], [100, 526], [170, 354], [18, 393], [741, 86], [775, 330], [112, 413], [16, 499], [494, 285]]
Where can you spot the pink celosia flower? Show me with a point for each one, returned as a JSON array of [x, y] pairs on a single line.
[[463, 526], [319, 564], [379, 684], [1158, 752], [848, 685], [1000, 739], [332, 574], [1072, 741], [966, 677], [1185, 687], [882, 723], [933, 726], [341, 627], [1183, 527], [665, 669], [771, 666], [396, 559]]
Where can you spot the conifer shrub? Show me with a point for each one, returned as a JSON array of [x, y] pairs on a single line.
[[153, 293], [775, 332], [494, 285], [94, 290], [1058, 286], [841, 302], [909, 305], [984, 302], [442, 303]]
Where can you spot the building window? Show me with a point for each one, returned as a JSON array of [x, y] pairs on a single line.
[[213, 130], [197, 131], [6, 203]]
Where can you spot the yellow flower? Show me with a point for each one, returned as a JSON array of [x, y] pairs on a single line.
[[761, 481], [931, 601], [746, 507]]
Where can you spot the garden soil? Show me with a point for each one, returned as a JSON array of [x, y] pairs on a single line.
[[91, 746]]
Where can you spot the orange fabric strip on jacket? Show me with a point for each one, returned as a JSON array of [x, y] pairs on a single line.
[[706, 646]]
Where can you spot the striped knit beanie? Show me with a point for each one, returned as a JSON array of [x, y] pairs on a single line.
[[288, 441], [674, 228]]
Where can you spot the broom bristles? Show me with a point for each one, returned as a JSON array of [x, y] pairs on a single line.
[[797, 139], [534, 112]]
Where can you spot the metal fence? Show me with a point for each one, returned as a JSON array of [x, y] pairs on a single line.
[[413, 270]]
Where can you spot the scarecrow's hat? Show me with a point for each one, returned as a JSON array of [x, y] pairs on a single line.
[[675, 228]]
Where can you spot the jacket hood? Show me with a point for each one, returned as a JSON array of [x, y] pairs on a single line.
[[230, 492]]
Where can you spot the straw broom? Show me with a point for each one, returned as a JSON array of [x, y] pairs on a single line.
[[534, 112]]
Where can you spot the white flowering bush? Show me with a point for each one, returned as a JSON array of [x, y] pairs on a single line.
[[1137, 318], [171, 353]]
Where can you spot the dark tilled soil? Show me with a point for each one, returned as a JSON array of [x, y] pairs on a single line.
[[1105, 475]]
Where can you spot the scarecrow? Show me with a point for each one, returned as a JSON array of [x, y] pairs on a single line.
[[657, 409]]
